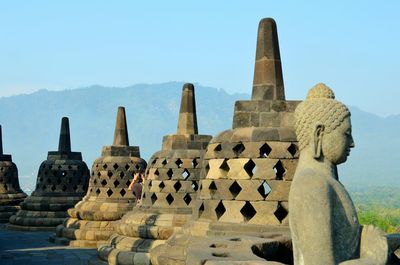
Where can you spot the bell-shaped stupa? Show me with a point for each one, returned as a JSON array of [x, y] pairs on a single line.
[[92, 219], [241, 212], [11, 194], [62, 181], [169, 191]]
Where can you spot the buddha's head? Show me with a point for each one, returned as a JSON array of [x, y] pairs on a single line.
[[323, 125]]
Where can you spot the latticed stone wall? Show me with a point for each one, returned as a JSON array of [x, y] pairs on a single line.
[[9, 182], [111, 177], [171, 180], [247, 182], [62, 177]]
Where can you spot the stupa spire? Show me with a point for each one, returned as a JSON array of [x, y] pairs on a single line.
[[121, 130], [187, 123], [64, 144], [268, 79]]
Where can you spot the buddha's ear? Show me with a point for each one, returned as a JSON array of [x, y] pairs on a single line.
[[317, 139]]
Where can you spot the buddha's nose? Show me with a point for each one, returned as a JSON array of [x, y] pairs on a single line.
[[352, 144]]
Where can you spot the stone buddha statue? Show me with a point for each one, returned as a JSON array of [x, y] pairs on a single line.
[[322, 218]]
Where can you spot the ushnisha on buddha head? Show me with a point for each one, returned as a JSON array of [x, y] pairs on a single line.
[[323, 125]]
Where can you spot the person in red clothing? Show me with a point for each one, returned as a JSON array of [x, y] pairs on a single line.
[[136, 185]]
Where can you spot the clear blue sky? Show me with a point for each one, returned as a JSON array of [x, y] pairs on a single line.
[[352, 46]]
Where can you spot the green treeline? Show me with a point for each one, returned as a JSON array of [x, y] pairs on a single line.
[[379, 206]]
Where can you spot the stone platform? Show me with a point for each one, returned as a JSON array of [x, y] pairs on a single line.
[[33, 248]]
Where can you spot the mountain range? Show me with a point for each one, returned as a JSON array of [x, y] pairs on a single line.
[[31, 124]]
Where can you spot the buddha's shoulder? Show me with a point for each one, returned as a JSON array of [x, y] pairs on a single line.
[[311, 178]]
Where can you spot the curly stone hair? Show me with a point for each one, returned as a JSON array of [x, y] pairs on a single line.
[[319, 106]]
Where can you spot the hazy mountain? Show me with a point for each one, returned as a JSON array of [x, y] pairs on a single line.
[[31, 126]]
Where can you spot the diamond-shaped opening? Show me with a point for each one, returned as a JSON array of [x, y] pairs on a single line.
[[59, 166], [185, 174], [153, 198], [194, 163], [109, 192], [154, 161], [64, 188], [103, 182], [95, 181], [6, 187], [97, 165], [40, 179], [75, 187], [279, 170], [54, 172], [109, 174], [201, 209], [115, 166], [238, 149], [69, 167], [235, 189], [161, 185], [248, 211], [264, 189], [137, 167], [59, 180], [177, 186], [121, 174], [220, 210], [187, 199], [224, 166], [156, 172], [122, 192], [105, 166], [265, 149], [280, 213], [170, 173], [250, 167], [128, 182], [179, 162], [150, 183], [98, 192], [74, 173], [98, 174], [195, 186], [164, 162], [218, 148], [169, 198], [127, 167], [53, 188], [45, 173], [49, 180], [116, 183], [212, 186], [292, 149]]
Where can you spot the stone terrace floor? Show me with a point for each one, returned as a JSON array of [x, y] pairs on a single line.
[[32, 248]]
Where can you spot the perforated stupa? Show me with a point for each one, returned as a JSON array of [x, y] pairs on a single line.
[[91, 221], [169, 191], [11, 194], [62, 181], [242, 202]]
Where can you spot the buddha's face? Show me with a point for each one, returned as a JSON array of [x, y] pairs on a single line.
[[336, 144]]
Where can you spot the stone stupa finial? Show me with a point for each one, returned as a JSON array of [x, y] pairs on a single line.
[[64, 144], [187, 123], [121, 130], [268, 78]]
